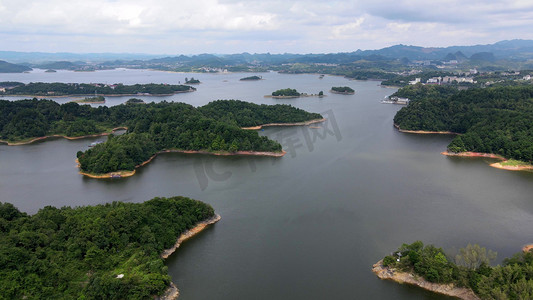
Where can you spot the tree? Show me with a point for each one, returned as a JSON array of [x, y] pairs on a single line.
[[473, 256]]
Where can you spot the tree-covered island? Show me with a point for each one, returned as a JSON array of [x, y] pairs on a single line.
[[497, 120], [466, 275], [91, 100], [110, 251], [251, 78], [73, 89], [286, 93], [344, 90], [152, 128], [191, 81]]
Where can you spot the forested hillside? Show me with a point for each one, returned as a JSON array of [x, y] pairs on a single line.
[[77, 253], [491, 120], [151, 128]]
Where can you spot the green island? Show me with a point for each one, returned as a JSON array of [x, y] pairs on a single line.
[[91, 100], [215, 128], [109, 251], [135, 101], [72, 89], [191, 81], [344, 90], [286, 93], [50, 71], [495, 120], [251, 78], [466, 275]]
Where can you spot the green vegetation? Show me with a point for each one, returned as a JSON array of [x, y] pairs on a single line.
[[251, 78], [134, 101], [96, 99], [246, 114], [286, 93], [191, 81], [342, 90], [470, 268], [62, 89], [6, 67], [153, 127], [495, 120], [77, 253]]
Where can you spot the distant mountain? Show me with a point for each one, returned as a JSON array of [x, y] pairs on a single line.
[[516, 50], [6, 67], [41, 57], [511, 49]]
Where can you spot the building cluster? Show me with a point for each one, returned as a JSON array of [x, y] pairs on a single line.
[[444, 80]]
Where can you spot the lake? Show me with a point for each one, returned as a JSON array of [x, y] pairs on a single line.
[[308, 225]]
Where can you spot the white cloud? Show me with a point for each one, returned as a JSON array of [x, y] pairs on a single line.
[[256, 26]]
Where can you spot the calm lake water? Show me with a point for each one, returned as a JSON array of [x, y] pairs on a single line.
[[308, 225]]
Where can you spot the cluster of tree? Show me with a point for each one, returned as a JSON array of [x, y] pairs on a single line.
[[251, 78], [57, 88], [134, 101], [191, 81], [492, 120], [78, 253], [470, 268], [286, 93], [342, 90]]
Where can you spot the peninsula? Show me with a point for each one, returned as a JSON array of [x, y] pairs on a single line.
[[215, 128], [467, 275], [76, 89], [495, 120], [115, 250], [91, 100]]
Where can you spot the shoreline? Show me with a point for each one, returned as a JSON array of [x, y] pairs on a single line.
[[172, 292], [497, 165], [200, 226], [527, 248], [387, 273], [122, 174], [423, 131], [305, 123], [62, 136]]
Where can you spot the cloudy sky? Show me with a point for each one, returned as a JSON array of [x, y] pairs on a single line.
[[256, 26]]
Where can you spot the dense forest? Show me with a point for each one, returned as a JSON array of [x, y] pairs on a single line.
[[78, 253], [246, 114], [62, 89], [286, 93], [153, 127], [470, 268], [492, 120]]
